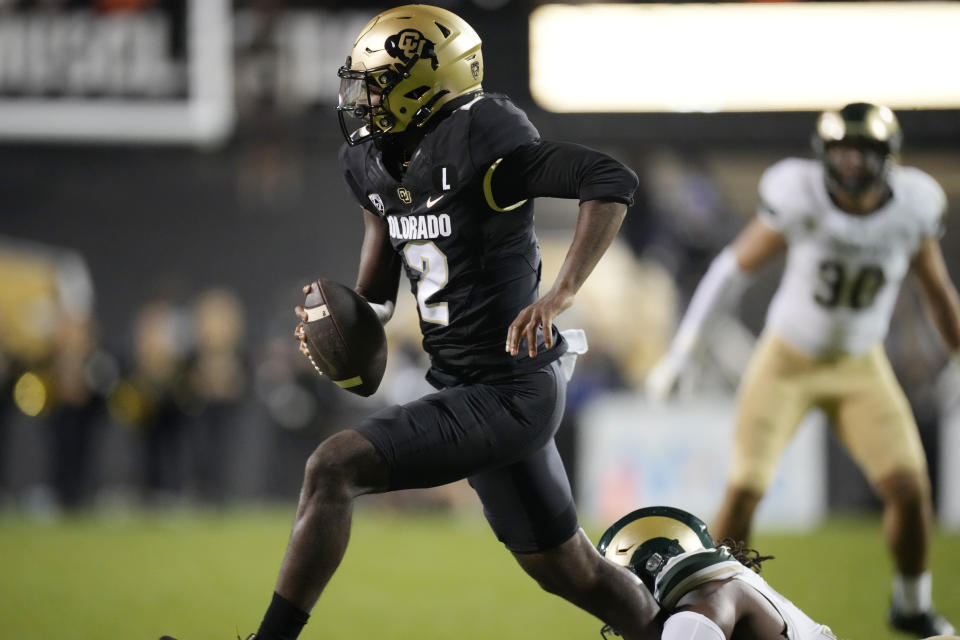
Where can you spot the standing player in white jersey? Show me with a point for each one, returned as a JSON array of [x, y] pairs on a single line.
[[854, 223]]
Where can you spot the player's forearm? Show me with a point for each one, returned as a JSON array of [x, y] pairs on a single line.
[[378, 275], [597, 224], [943, 303], [944, 308], [381, 289], [718, 288]]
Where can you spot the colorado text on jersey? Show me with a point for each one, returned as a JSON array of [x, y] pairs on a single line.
[[419, 227]]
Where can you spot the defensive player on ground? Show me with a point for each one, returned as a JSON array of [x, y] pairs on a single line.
[[709, 591], [446, 176], [854, 224]]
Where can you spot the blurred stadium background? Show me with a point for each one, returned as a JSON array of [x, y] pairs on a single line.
[[169, 180]]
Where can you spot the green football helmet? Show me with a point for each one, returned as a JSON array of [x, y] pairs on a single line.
[[873, 129], [643, 540], [406, 63]]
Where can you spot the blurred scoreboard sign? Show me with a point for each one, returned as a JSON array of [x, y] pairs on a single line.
[[149, 71], [744, 57]]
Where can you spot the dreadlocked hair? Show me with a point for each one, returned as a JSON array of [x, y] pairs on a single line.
[[749, 558]]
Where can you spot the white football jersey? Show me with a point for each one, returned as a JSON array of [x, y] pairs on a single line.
[[687, 571], [799, 625], [843, 271]]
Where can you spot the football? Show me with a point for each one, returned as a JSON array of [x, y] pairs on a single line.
[[344, 337]]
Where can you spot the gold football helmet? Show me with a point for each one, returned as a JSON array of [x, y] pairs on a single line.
[[643, 540], [406, 63], [860, 122], [871, 128]]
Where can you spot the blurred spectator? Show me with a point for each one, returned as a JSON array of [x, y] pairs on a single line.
[[48, 363], [8, 376], [693, 220], [81, 375], [153, 395], [217, 378]]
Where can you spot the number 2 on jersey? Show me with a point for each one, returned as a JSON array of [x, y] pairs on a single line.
[[856, 292], [426, 258]]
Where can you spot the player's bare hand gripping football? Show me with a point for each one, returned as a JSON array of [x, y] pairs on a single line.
[[597, 224]]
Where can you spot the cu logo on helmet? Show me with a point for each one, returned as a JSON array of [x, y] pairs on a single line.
[[410, 43]]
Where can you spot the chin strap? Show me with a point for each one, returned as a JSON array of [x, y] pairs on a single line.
[[424, 112]]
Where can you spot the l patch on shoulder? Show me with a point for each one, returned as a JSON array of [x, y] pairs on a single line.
[[444, 178]]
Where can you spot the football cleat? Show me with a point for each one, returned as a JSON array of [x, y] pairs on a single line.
[[922, 625]]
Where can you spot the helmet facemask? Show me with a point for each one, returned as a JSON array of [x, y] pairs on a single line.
[[871, 168], [361, 108]]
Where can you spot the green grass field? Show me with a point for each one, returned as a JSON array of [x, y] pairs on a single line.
[[201, 576]]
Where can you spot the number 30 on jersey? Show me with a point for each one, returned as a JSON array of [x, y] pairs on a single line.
[[855, 288]]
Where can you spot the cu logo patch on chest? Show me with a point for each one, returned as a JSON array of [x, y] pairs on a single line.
[[405, 196]]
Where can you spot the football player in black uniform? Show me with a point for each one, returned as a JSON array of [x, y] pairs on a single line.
[[446, 176]]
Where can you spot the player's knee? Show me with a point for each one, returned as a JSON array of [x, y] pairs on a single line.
[[904, 489], [340, 468], [742, 500], [325, 474]]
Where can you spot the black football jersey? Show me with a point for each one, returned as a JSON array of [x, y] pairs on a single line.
[[471, 269]]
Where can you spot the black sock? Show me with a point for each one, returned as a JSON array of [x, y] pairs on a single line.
[[283, 620]]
